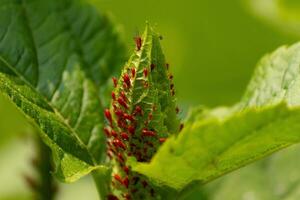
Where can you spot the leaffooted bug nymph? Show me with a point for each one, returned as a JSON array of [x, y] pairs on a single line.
[[138, 42]]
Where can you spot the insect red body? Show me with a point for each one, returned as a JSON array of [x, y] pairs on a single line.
[[181, 127], [124, 136], [138, 110], [114, 133], [148, 133], [118, 178], [106, 131], [126, 79], [112, 197], [123, 95], [145, 72], [126, 182], [119, 112], [108, 115], [120, 157], [121, 123], [133, 72], [113, 95], [128, 117], [152, 66], [119, 143], [138, 42], [122, 102], [162, 140], [126, 169], [115, 81], [131, 129]]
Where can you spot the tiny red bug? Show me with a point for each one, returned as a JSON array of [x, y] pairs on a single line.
[[112, 197], [121, 123], [148, 133], [114, 133], [126, 182], [133, 72], [128, 117], [177, 110], [126, 79], [138, 42], [108, 115], [122, 102], [123, 95], [124, 136], [181, 127], [119, 113], [138, 110], [113, 95], [118, 178], [115, 81], [162, 140], [119, 143], [145, 71], [106, 131], [152, 66], [120, 157], [126, 169], [131, 129]]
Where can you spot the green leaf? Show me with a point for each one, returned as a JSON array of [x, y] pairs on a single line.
[[219, 141], [54, 56], [274, 178], [142, 115]]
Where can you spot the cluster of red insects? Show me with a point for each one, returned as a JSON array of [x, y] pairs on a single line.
[[126, 136]]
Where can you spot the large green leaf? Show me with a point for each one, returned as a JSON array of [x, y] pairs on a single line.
[[53, 56], [274, 178], [216, 142]]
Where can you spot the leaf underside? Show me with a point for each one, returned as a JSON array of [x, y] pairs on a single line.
[[55, 56], [215, 142]]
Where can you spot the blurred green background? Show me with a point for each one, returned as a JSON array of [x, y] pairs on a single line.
[[212, 47]]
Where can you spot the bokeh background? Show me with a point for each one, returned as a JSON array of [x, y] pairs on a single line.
[[212, 47]]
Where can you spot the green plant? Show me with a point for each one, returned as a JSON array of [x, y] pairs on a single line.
[[56, 68]]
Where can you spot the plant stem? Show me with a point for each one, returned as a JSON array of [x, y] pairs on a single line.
[[101, 178], [43, 186], [47, 184]]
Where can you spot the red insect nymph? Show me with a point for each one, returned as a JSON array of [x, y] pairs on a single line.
[[138, 42]]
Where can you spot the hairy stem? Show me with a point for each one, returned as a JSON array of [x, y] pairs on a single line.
[[101, 178], [43, 185]]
